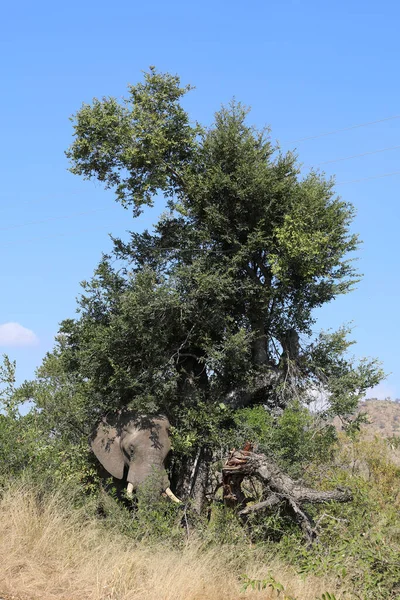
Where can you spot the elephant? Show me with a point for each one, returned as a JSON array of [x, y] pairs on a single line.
[[133, 447]]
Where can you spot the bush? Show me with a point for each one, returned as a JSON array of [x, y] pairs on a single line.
[[293, 439]]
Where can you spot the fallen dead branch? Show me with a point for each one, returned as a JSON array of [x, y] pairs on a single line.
[[279, 489]]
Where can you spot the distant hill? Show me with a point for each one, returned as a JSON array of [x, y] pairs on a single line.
[[383, 415]]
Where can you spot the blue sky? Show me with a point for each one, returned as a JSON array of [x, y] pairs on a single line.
[[305, 68]]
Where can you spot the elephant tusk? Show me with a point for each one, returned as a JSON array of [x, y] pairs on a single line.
[[129, 490], [172, 496]]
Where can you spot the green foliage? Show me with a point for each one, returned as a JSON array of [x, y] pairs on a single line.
[[224, 527], [359, 542], [219, 297], [270, 583], [345, 380], [263, 584], [156, 518], [208, 319], [7, 380], [294, 438], [132, 146], [394, 441], [30, 446], [20, 436]]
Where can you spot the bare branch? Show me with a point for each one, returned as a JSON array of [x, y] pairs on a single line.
[[279, 487], [272, 500]]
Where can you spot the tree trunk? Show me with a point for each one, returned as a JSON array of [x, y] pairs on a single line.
[[280, 489], [191, 479], [260, 356], [192, 373], [200, 484]]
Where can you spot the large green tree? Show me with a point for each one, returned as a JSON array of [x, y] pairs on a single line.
[[211, 314]]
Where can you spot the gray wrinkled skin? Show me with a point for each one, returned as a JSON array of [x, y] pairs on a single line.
[[133, 448]]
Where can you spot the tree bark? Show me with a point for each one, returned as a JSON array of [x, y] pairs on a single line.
[[191, 479], [279, 488], [192, 371], [200, 484], [260, 356], [261, 391]]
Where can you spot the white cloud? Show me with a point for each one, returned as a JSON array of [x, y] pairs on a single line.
[[14, 334]]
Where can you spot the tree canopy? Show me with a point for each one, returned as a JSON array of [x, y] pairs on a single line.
[[209, 318], [211, 312]]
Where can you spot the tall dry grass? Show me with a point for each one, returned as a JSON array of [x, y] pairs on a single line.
[[50, 552]]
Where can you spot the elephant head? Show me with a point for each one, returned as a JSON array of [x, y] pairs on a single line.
[[134, 447]]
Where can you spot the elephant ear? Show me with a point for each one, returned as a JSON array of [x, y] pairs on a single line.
[[106, 446]]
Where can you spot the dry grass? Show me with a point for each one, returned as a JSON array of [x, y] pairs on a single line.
[[50, 553]]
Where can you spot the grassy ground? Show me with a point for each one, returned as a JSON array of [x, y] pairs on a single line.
[[52, 553], [50, 549]]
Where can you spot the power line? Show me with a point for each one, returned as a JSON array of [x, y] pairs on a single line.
[[368, 178], [90, 212], [72, 215], [313, 137], [326, 162], [38, 202], [154, 249], [51, 237], [48, 219]]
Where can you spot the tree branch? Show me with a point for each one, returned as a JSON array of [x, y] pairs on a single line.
[[279, 487]]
